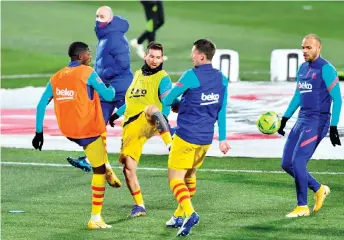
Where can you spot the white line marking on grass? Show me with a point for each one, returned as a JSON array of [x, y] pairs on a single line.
[[165, 169]]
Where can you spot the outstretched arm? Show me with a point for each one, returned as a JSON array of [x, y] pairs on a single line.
[[41, 107], [294, 103], [121, 110], [97, 84], [186, 81], [164, 88], [221, 121]]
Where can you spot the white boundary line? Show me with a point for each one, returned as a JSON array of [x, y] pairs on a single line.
[[165, 169]]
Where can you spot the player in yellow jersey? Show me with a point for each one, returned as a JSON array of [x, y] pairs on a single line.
[[144, 117]]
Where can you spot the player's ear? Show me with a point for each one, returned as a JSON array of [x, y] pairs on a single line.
[[80, 56]]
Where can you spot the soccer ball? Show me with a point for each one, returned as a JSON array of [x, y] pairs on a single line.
[[268, 122]]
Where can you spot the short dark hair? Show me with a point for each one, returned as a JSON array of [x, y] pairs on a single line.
[[155, 46], [76, 48], [314, 36], [205, 46]]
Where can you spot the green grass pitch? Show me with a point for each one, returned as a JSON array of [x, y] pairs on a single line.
[[232, 205]]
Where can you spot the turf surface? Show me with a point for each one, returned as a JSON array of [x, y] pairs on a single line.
[[232, 205]]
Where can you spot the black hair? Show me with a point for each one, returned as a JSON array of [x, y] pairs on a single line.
[[205, 46], [155, 46], [76, 48]]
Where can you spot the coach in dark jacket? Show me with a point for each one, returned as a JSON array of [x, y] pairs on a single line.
[[113, 56], [112, 64]]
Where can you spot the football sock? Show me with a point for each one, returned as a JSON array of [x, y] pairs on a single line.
[[137, 197], [166, 137], [191, 185], [98, 190], [179, 211], [182, 195]]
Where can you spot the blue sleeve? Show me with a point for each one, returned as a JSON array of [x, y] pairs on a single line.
[[121, 110], [295, 101], [186, 81], [42, 105], [221, 121], [294, 104], [330, 77], [95, 82], [164, 88]]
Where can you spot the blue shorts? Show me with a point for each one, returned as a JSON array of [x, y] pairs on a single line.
[[109, 107]]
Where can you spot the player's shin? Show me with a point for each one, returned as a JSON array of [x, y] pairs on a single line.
[[182, 195], [161, 125], [98, 190], [191, 185]]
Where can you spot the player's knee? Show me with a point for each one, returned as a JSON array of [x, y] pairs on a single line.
[[99, 170], [190, 173], [150, 110]]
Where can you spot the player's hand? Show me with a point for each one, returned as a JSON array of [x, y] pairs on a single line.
[[112, 119], [282, 126], [334, 136], [224, 146], [37, 141], [175, 106]]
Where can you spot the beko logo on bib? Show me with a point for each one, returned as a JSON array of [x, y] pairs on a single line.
[[214, 98], [305, 87], [210, 97], [64, 94]]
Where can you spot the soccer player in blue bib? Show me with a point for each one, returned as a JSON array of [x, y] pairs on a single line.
[[203, 102], [317, 87]]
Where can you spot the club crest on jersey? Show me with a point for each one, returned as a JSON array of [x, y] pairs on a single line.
[[314, 76], [208, 99], [305, 87], [137, 92], [64, 94]]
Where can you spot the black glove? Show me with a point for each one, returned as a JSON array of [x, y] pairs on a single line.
[[334, 136], [175, 106], [282, 126], [37, 141], [112, 119]]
